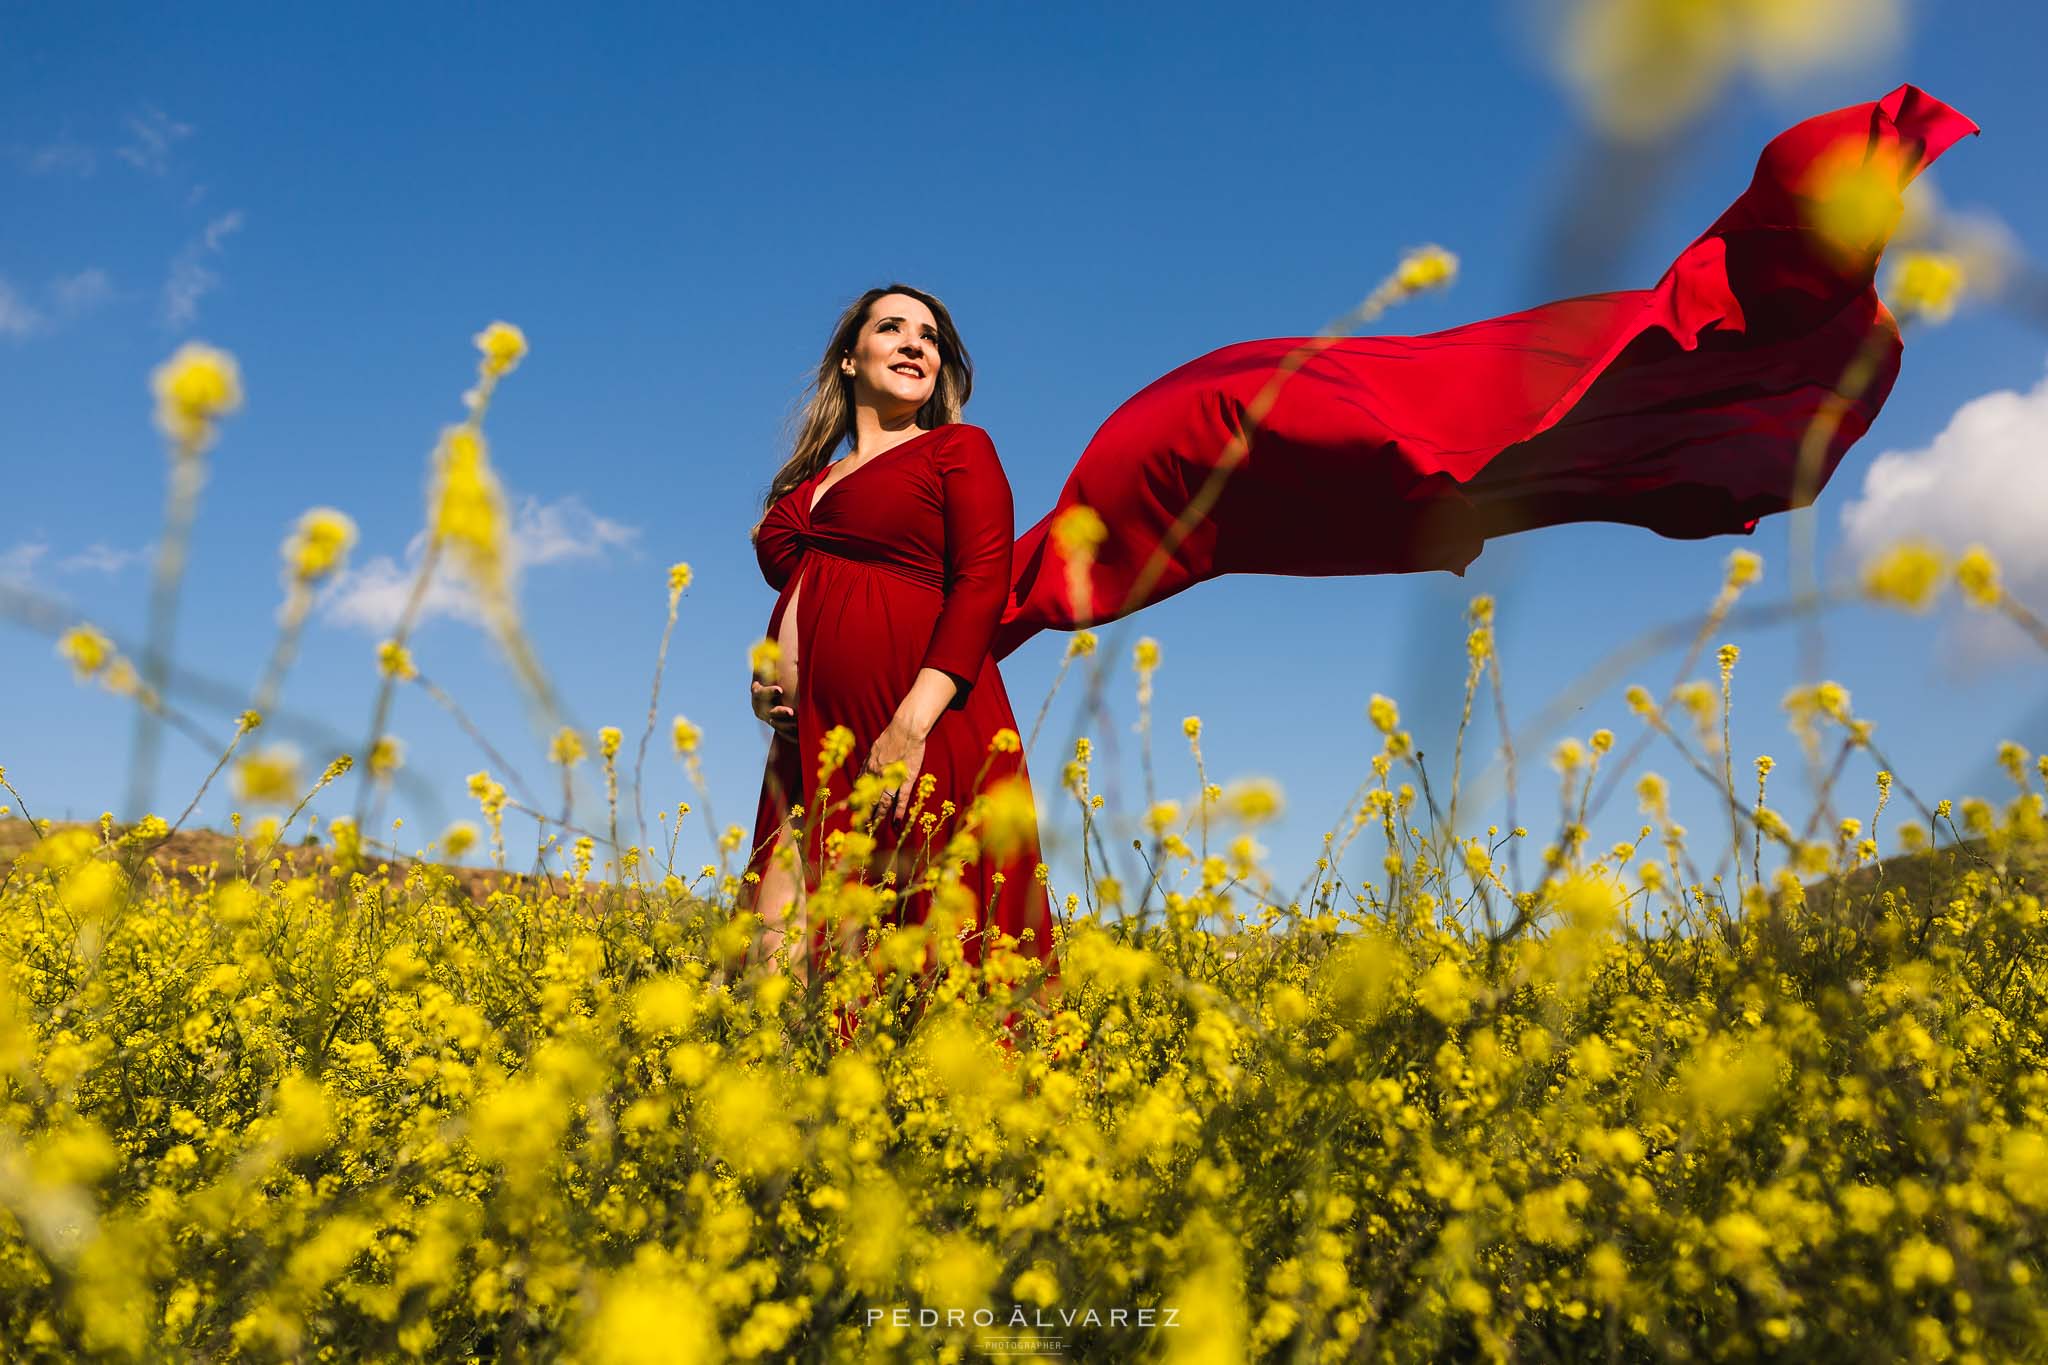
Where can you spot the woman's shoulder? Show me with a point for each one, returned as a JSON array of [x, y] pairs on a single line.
[[966, 436]]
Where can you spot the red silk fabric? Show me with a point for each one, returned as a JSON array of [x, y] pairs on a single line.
[[1680, 408]]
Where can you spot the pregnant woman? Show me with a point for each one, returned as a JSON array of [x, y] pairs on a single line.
[[893, 569], [1728, 391]]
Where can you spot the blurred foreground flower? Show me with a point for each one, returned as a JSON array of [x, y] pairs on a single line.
[[319, 544], [1641, 68], [1908, 575], [1925, 284], [1426, 267], [268, 776], [194, 389], [86, 650]]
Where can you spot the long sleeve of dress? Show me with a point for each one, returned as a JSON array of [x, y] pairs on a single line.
[[980, 522], [778, 545]]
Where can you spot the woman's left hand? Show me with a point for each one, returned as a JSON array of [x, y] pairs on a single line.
[[898, 743]]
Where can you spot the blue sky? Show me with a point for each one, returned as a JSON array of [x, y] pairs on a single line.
[[674, 204]]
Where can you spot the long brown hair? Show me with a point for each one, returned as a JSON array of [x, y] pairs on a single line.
[[823, 417]]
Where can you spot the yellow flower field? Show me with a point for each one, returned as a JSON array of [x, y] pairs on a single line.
[[293, 1107]]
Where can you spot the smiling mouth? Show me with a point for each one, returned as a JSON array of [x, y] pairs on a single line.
[[910, 370]]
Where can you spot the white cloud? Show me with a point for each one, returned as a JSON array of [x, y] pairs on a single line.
[[550, 532], [151, 135], [69, 296], [1982, 480], [106, 559], [18, 562], [62, 157], [373, 595], [191, 278], [83, 292], [17, 318]]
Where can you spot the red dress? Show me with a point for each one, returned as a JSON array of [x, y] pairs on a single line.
[[904, 564]]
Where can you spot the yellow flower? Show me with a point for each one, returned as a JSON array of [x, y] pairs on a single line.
[[608, 740], [1254, 800], [1547, 1214], [1426, 268], [1077, 531], [1741, 1240], [1385, 715], [763, 658], [1851, 193], [85, 649], [678, 580], [1908, 575], [490, 796], [1919, 1260], [303, 1114], [319, 544], [1445, 991], [196, 387], [1163, 816], [387, 756], [958, 1274], [1744, 568], [1479, 645], [566, 748], [1609, 1271], [122, 680], [687, 736], [1145, 655], [1081, 645], [459, 839], [467, 505], [268, 776], [649, 1315], [1698, 699], [1037, 1285], [1977, 576], [1008, 818], [1925, 284], [503, 345], [394, 660]]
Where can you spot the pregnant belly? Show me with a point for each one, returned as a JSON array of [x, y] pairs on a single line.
[[851, 638]]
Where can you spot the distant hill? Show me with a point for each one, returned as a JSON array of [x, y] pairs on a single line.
[[190, 853]]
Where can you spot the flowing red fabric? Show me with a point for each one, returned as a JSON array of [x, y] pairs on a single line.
[[1680, 408]]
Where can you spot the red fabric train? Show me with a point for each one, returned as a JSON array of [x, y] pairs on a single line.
[[1680, 408]]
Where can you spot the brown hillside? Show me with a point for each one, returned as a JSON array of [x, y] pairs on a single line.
[[193, 855]]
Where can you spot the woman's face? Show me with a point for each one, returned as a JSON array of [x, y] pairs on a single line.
[[895, 359]]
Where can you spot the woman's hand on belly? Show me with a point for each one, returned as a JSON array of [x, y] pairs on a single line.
[[767, 700], [775, 702]]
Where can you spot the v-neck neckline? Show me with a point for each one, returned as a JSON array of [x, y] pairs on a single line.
[[818, 495]]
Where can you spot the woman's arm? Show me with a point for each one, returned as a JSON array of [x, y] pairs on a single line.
[[979, 519], [928, 699]]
